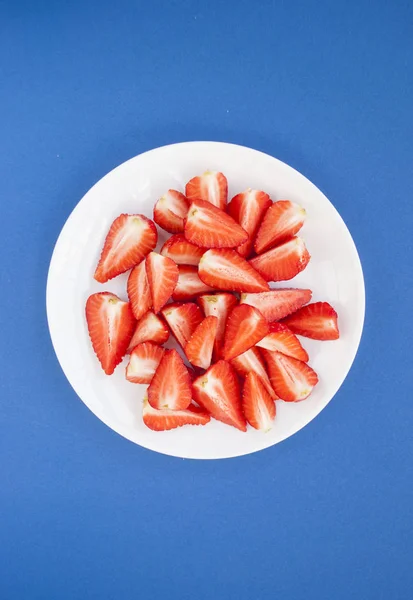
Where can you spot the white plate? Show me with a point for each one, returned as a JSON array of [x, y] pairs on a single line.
[[334, 274]]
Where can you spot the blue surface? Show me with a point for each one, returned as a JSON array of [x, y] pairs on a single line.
[[324, 86]]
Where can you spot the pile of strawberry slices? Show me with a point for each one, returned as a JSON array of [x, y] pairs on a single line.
[[208, 287]]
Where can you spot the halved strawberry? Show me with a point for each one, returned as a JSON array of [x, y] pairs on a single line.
[[199, 348], [258, 406], [248, 209], [143, 362], [189, 284], [291, 379], [170, 211], [211, 186], [183, 319], [282, 339], [245, 327], [110, 323], [276, 304], [217, 390], [138, 291], [209, 227], [129, 240], [150, 328], [251, 361], [218, 305], [281, 221], [162, 420], [162, 276], [317, 321], [181, 251], [227, 270], [283, 262], [171, 385]]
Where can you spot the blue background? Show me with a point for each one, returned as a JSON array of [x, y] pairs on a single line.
[[324, 86]]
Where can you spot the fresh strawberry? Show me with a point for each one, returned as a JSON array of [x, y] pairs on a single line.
[[277, 304], [162, 276], [162, 420], [291, 379], [171, 385], [317, 321], [181, 251], [110, 323], [217, 390], [252, 362], [144, 361], [248, 209], [170, 211], [245, 327], [218, 305], [189, 285], [130, 239], [150, 328], [281, 221], [138, 291], [227, 270], [211, 186], [183, 319], [258, 406], [209, 227], [283, 262], [282, 339], [199, 348]]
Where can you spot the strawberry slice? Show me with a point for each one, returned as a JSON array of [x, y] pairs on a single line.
[[143, 362], [245, 327], [130, 239], [258, 406], [162, 420], [227, 270], [212, 187], [251, 361], [277, 304], [283, 262], [209, 227], [171, 385], [217, 390], [248, 209], [199, 348], [282, 339], [291, 379], [162, 276], [110, 323], [150, 328], [317, 321], [219, 306], [281, 221], [170, 211], [181, 251], [183, 319], [189, 285], [138, 291]]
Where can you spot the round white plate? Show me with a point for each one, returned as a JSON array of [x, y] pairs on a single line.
[[334, 274]]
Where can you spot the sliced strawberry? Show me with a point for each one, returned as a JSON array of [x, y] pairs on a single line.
[[218, 305], [170, 211], [162, 276], [144, 361], [171, 385], [110, 323], [258, 406], [291, 379], [317, 321], [183, 319], [248, 209], [189, 285], [245, 327], [227, 270], [181, 251], [209, 227], [129, 240], [138, 291], [277, 304], [212, 187], [199, 348], [281, 221], [162, 420], [252, 362], [283, 262], [217, 390], [282, 339], [150, 328]]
